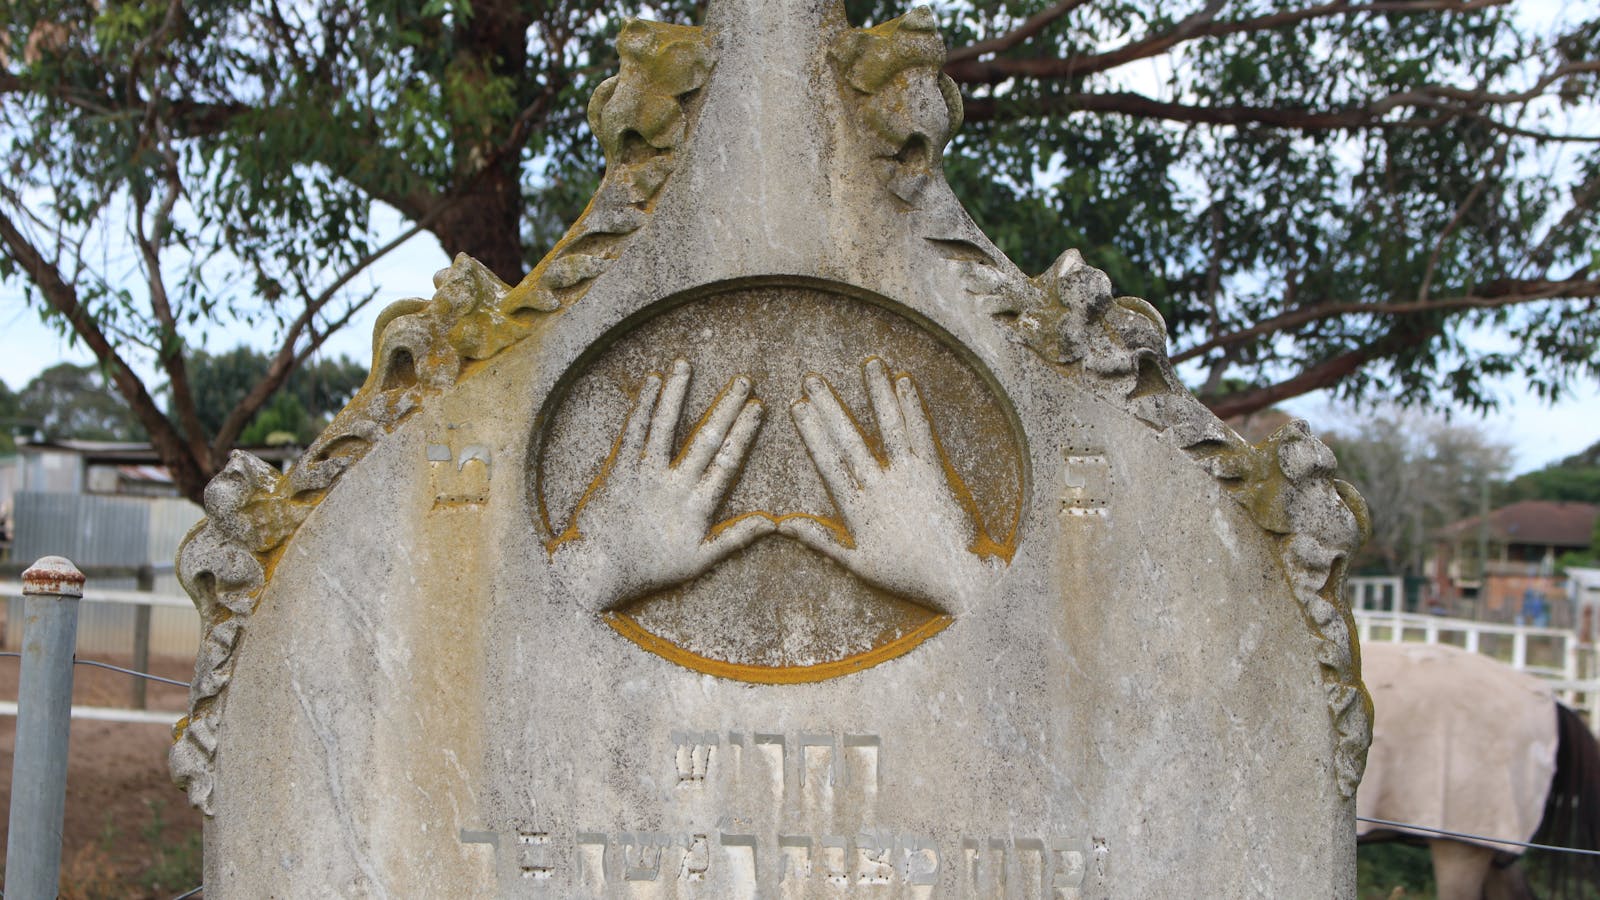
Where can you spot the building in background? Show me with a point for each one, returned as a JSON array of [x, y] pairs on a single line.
[[93, 467], [1583, 590], [102, 503], [111, 508], [1504, 566], [10, 470]]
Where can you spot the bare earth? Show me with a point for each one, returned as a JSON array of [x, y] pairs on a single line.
[[128, 832]]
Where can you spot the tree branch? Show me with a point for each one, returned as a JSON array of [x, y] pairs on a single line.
[[1493, 295], [1029, 27], [190, 473], [170, 354], [979, 109], [1200, 25], [1316, 376], [1472, 198], [284, 361]]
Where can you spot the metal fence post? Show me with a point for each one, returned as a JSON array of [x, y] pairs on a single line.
[[141, 634], [51, 589]]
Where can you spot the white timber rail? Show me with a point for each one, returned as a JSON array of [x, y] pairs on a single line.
[[1381, 593], [138, 642], [129, 598], [1553, 654]]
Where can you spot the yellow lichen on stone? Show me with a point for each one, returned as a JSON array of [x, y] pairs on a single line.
[[870, 57], [660, 63], [894, 78], [640, 118]]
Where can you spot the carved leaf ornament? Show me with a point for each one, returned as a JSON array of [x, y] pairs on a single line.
[[906, 109]]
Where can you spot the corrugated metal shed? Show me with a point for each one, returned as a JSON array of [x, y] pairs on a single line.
[[90, 530], [97, 530]]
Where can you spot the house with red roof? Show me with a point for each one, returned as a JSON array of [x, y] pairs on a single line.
[[1486, 566]]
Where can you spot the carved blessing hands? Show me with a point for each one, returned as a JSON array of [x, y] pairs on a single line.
[[908, 531], [645, 523]]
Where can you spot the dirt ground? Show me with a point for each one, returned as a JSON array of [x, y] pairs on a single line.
[[128, 831]]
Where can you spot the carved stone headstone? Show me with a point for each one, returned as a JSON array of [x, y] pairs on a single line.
[[776, 537]]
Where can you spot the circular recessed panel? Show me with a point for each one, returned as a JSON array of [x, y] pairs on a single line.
[[777, 611]]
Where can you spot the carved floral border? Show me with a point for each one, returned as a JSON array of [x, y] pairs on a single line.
[[891, 77]]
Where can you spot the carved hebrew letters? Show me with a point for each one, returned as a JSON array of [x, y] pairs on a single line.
[[782, 776], [875, 862], [459, 473], [1086, 485]]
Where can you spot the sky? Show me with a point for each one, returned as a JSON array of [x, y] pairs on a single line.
[[1538, 432]]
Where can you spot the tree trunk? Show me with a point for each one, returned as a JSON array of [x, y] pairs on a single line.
[[485, 222], [484, 215]]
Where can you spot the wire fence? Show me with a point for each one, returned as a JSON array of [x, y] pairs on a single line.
[[1477, 838], [197, 891], [105, 665]]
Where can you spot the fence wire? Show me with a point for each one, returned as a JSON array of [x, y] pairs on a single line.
[[100, 665], [1478, 837]]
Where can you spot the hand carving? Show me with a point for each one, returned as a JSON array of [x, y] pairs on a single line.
[[909, 532], [645, 522]]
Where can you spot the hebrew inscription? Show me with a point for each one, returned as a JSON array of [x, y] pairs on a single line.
[[773, 841], [871, 863], [459, 472], [779, 548], [1086, 485]]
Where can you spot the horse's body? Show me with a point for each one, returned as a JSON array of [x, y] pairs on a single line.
[[1464, 743]]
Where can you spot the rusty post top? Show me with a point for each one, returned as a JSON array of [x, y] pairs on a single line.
[[53, 575]]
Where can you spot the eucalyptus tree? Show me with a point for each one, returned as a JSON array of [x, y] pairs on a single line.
[[1424, 472], [1316, 194]]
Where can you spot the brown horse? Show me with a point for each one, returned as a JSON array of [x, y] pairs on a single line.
[[1467, 744]]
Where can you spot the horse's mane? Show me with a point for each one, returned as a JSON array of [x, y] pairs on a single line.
[[1572, 809]]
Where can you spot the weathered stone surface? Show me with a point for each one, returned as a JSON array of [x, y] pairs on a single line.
[[777, 537]]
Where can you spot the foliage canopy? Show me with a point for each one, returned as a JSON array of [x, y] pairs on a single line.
[[70, 401], [310, 396], [1337, 194], [1575, 478], [1424, 472]]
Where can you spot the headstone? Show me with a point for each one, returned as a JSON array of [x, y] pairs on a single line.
[[777, 537]]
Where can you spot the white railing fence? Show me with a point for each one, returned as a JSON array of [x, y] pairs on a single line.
[[1383, 593], [112, 622], [1554, 654]]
